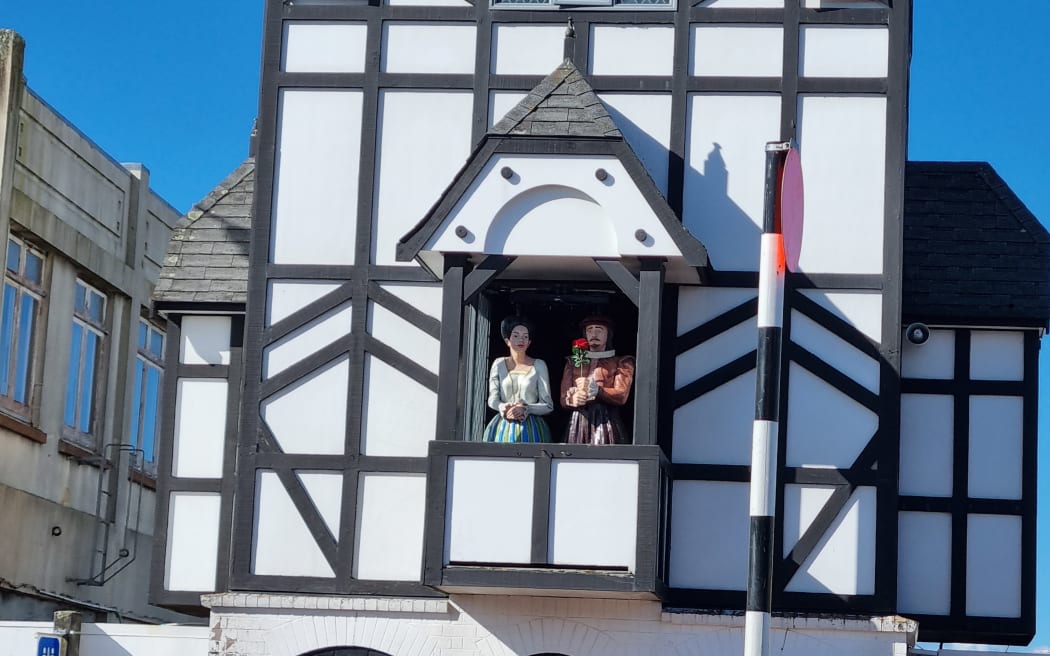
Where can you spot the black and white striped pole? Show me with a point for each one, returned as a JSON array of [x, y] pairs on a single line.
[[771, 269]]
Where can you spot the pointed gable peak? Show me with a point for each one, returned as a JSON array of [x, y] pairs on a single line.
[[563, 104]]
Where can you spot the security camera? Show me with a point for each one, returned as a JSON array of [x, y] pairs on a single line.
[[917, 333]]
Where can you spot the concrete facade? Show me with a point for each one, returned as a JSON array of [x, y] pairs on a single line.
[[96, 221]]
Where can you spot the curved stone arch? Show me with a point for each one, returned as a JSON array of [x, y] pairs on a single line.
[[315, 635]]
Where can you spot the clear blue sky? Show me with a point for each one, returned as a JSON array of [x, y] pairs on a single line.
[[174, 85]]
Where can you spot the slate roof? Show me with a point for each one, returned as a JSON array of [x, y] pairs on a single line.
[[973, 253], [563, 104], [207, 258]]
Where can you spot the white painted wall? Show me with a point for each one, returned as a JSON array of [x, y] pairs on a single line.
[[993, 565], [924, 563], [933, 360], [826, 428], [716, 352], [844, 51], [321, 47], [316, 176], [122, 639], [205, 340], [305, 341], [325, 490], [841, 355], [737, 50], [996, 355], [301, 416], [403, 336], [282, 544], [716, 428], [645, 121], [501, 102], [521, 49], [631, 50], [424, 297], [698, 305], [200, 427], [389, 536], [285, 297], [594, 513], [193, 541], [419, 47], [860, 309], [709, 535], [927, 445], [399, 414], [843, 561], [489, 510], [995, 457]]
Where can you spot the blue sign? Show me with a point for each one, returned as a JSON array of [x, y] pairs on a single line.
[[49, 646]]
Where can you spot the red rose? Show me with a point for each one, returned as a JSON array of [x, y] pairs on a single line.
[[580, 343]]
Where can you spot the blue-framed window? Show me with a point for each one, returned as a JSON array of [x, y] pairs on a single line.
[[145, 404], [19, 324], [85, 355]]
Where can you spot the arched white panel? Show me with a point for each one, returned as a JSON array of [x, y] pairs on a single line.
[[205, 340], [843, 561], [309, 416], [533, 216], [839, 354], [709, 535], [325, 489], [993, 565], [282, 544], [996, 355], [698, 305], [716, 427], [996, 431], [844, 51], [927, 445], [399, 413], [389, 536], [843, 145], [501, 102], [860, 309], [933, 360], [200, 427], [286, 297], [737, 51], [725, 160], [826, 428], [526, 49], [924, 563], [193, 541], [594, 513], [645, 121], [403, 336], [428, 47], [802, 503], [424, 297], [411, 150], [311, 47], [315, 182], [307, 340], [631, 50], [718, 351], [489, 516]]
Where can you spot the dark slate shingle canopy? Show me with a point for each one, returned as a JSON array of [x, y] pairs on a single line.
[[207, 258], [973, 253]]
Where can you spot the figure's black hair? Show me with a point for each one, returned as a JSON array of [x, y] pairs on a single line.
[[506, 327]]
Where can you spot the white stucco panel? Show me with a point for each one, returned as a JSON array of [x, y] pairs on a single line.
[[389, 328], [993, 565], [802, 503], [924, 563], [709, 535], [927, 445], [428, 48], [698, 305], [737, 50], [826, 428], [488, 517], [205, 340], [631, 50], [285, 297], [389, 544], [716, 352], [716, 428], [309, 339], [316, 47], [193, 541], [200, 427], [645, 121], [860, 309], [526, 49], [325, 489], [844, 51], [933, 360], [398, 415], [843, 562], [838, 353], [594, 513], [308, 416], [553, 206], [997, 355], [282, 544], [501, 102], [996, 447], [423, 296]]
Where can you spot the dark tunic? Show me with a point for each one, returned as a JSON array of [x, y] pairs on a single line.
[[598, 422]]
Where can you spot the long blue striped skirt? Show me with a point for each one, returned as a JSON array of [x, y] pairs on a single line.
[[533, 429]]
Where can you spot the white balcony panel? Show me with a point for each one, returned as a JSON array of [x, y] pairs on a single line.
[[838, 353], [737, 51], [285, 297], [527, 49], [399, 414], [698, 305], [645, 121], [934, 359], [924, 563], [993, 565], [826, 428], [996, 355], [409, 149], [200, 427], [632, 50], [428, 48], [927, 445], [282, 544], [996, 447], [724, 179], [324, 47], [391, 510], [843, 145], [424, 297], [325, 490], [802, 503], [392, 330], [489, 511], [309, 415], [193, 541], [315, 185], [716, 352], [844, 51], [205, 340], [716, 428], [860, 309], [305, 341], [843, 562], [709, 535], [594, 513]]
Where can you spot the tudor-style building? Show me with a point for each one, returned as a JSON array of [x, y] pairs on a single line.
[[423, 171]]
